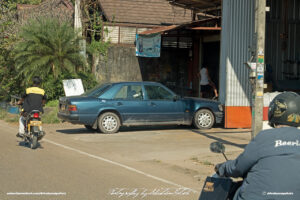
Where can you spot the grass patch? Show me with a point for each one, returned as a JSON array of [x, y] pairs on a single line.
[[8, 117], [205, 162], [3, 113], [12, 118], [49, 116]]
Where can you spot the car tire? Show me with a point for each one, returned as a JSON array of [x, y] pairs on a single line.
[[204, 119], [109, 123], [89, 127]]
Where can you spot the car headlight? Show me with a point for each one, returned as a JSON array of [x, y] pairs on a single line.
[[221, 107]]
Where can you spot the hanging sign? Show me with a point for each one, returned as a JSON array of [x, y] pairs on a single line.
[[148, 45]]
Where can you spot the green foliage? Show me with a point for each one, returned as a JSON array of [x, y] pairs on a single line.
[[3, 113], [99, 47], [48, 47], [10, 83], [53, 103], [88, 80], [45, 47], [54, 87]]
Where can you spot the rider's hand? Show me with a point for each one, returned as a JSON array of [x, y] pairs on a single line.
[[217, 166]]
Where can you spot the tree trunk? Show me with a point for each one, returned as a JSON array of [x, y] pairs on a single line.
[[96, 59]]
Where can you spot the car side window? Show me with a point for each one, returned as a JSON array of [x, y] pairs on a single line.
[[158, 93], [130, 92]]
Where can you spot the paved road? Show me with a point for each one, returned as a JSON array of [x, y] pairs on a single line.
[[72, 163]]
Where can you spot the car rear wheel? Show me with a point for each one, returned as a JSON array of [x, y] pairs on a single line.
[[204, 119], [109, 123]]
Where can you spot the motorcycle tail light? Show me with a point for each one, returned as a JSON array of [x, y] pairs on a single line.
[[36, 115], [72, 108]]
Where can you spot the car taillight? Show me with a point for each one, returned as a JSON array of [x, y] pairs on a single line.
[[36, 115], [72, 108]]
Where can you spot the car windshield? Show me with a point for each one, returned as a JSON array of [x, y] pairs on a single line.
[[97, 91]]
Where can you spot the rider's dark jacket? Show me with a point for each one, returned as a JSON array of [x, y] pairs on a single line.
[[270, 165], [33, 99]]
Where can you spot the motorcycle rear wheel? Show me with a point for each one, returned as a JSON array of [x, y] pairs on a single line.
[[34, 142]]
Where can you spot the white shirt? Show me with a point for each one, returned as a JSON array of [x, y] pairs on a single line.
[[204, 78]]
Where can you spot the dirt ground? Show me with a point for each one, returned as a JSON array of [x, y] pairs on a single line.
[[179, 153]]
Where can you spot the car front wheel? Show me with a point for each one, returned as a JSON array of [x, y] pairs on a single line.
[[89, 127], [109, 123], [204, 119]]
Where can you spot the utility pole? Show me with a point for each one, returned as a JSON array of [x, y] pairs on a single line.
[[258, 94]]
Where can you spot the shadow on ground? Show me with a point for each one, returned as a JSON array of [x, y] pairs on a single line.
[[27, 145], [208, 135], [123, 129]]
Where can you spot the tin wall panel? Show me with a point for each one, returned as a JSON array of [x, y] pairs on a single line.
[[236, 38], [283, 44], [127, 35]]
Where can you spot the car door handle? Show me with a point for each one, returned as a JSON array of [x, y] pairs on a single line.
[[152, 104], [119, 104]]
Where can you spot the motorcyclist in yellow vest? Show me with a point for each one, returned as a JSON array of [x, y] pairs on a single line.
[[33, 99]]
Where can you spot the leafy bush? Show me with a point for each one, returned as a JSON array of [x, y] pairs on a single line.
[[53, 103]]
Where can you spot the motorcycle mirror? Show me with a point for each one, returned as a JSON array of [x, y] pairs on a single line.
[[217, 147]]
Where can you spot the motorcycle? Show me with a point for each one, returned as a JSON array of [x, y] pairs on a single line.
[[33, 126], [216, 187], [33, 129]]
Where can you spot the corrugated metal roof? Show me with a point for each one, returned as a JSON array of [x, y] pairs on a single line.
[[159, 30], [197, 4], [195, 25], [155, 12]]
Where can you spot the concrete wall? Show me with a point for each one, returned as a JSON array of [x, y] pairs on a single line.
[[121, 65], [171, 68]]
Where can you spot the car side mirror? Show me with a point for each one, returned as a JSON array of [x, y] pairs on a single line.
[[176, 98]]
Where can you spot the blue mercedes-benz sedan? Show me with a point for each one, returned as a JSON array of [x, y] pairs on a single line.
[[111, 105]]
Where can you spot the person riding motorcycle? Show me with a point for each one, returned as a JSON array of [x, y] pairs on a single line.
[[33, 99], [270, 163]]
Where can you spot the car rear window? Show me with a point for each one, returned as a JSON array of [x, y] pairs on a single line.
[[97, 91]]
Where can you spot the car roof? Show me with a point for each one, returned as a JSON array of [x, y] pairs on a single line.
[[126, 82]]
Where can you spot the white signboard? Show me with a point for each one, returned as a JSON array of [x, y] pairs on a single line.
[[73, 87]]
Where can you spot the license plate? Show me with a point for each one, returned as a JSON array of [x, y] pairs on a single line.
[[62, 107], [35, 123]]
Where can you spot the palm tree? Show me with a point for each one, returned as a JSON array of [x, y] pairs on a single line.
[[48, 47]]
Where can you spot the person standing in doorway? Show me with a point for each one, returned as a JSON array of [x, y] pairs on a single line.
[[206, 83]]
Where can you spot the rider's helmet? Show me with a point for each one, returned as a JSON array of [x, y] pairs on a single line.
[[36, 80], [285, 110]]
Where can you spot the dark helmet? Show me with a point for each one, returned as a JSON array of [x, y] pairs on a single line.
[[285, 110], [36, 80]]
